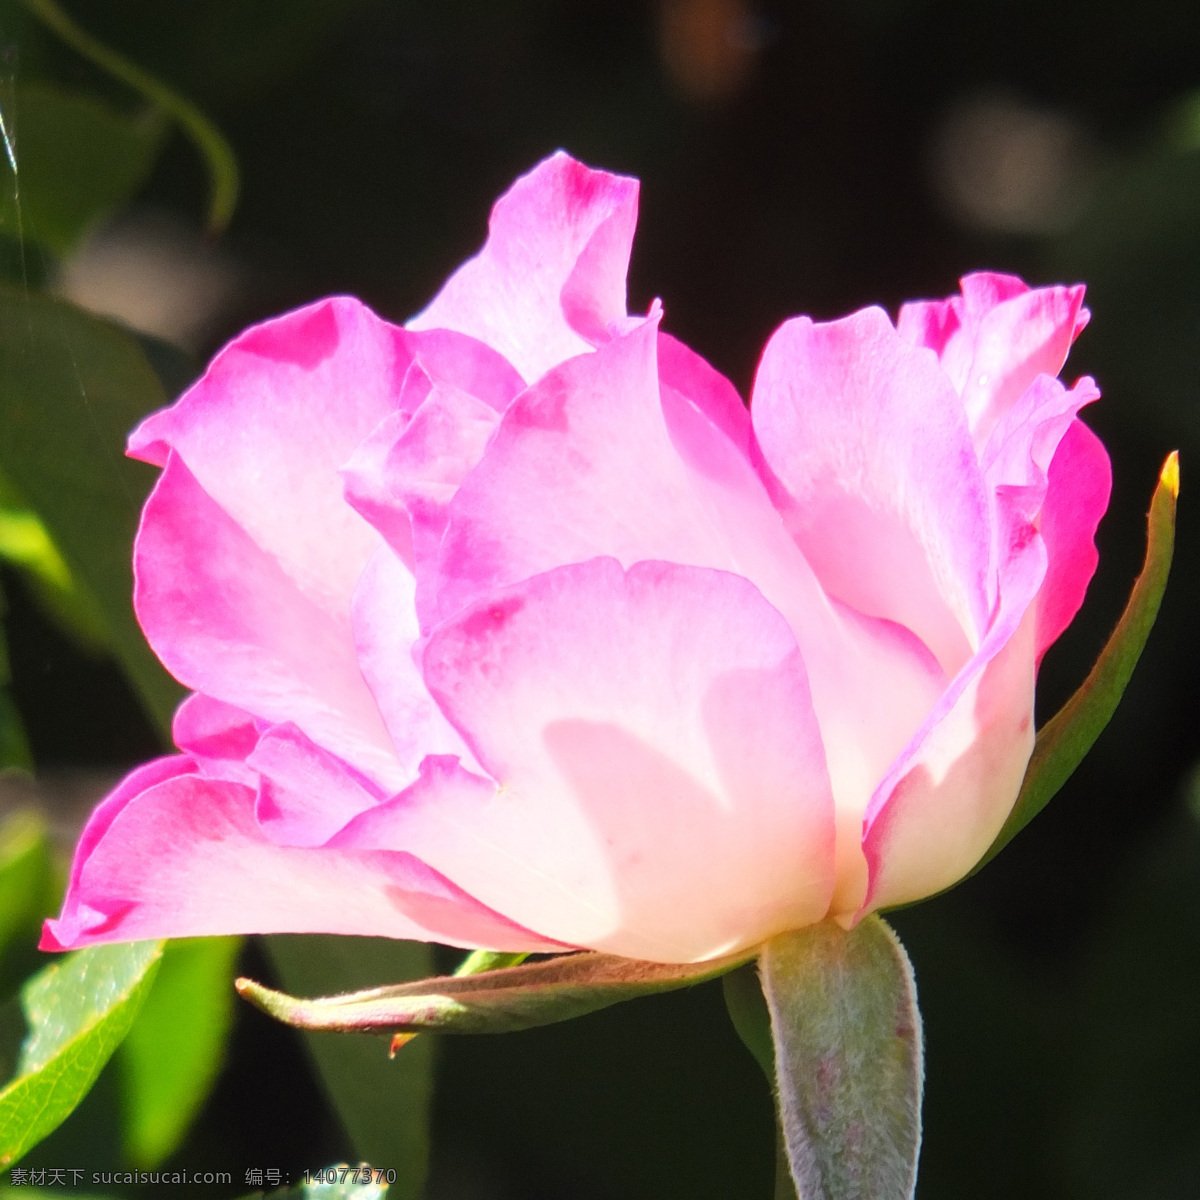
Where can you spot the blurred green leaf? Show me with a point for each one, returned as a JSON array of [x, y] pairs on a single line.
[[383, 1103], [218, 155], [78, 1012], [848, 1063], [1064, 740], [25, 543], [78, 161], [71, 388], [29, 885], [499, 1001], [14, 746], [174, 1050]]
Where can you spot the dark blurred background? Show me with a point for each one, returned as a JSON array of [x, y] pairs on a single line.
[[810, 157]]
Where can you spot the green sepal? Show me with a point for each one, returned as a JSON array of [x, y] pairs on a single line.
[[848, 1059], [503, 1001], [78, 1012], [1066, 738]]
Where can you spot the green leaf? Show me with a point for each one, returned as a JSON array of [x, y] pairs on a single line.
[[503, 1001], [214, 149], [174, 1050], [71, 388], [78, 1012], [847, 1059], [383, 1103], [77, 162], [1064, 740]]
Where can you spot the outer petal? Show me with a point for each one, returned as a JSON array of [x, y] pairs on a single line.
[[996, 339], [600, 458], [183, 857], [227, 621], [265, 430], [945, 798], [552, 274], [662, 790], [942, 805], [1017, 457], [948, 327], [944, 801], [1079, 485], [870, 440]]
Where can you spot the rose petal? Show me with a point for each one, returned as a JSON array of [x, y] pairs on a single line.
[[623, 713], [403, 478], [870, 441], [995, 339], [683, 370], [265, 430], [599, 458], [184, 857], [218, 736], [1078, 489], [385, 632], [226, 620], [305, 794], [944, 800], [552, 273]]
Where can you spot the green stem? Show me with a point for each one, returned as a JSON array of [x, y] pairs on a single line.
[[207, 138]]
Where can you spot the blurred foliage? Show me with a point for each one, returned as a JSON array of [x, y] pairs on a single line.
[[14, 745], [383, 1102], [174, 1049], [78, 160], [208, 139], [30, 887], [71, 388], [25, 543]]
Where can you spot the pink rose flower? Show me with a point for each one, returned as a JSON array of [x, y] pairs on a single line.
[[513, 627]]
